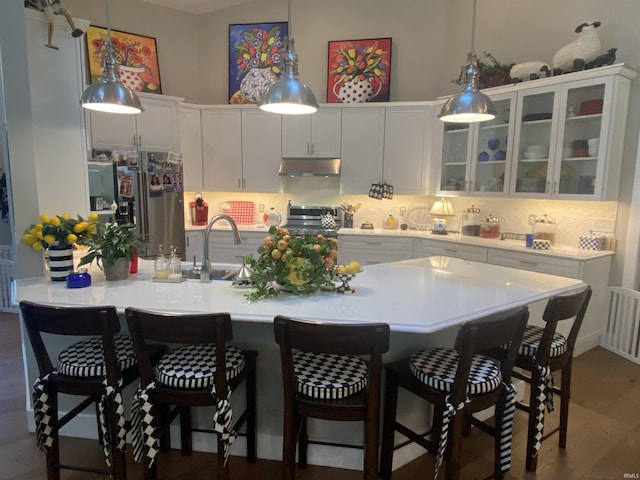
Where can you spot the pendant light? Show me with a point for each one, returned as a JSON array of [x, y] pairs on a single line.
[[108, 94], [469, 105], [289, 95]]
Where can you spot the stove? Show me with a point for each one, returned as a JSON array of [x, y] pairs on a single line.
[[303, 220]]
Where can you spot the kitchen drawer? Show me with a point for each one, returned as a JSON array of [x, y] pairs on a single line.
[[254, 239], [451, 249], [372, 242], [536, 263], [369, 257]]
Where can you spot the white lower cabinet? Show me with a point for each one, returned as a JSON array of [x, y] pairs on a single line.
[[428, 248], [221, 247], [536, 263], [372, 249]]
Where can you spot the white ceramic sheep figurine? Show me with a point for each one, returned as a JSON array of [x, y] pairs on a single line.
[[585, 48]]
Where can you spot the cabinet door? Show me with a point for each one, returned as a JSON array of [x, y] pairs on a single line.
[[157, 126], [222, 149], [326, 133], [193, 246], [405, 149], [456, 145], [490, 157], [191, 147], [109, 131], [261, 151], [296, 136], [362, 148], [536, 132]]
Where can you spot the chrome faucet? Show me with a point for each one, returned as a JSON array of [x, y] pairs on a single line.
[[205, 270]]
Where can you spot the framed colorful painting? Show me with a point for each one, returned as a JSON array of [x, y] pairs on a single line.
[[359, 70], [137, 55], [255, 50]]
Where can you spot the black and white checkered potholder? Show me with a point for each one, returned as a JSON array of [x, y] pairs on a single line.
[[376, 191], [437, 368], [329, 376]]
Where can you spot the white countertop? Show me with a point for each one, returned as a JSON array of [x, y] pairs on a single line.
[[560, 251], [422, 295]]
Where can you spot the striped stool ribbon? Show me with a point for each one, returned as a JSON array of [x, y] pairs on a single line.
[[144, 425], [42, 412], [544, 399], [113, 393], [223, 422], [447, 414], [506, 433]]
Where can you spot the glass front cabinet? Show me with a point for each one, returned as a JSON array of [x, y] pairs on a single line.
[[560, 137]]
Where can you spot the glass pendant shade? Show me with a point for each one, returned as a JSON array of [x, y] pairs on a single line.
[[109, 94], [289, 95]]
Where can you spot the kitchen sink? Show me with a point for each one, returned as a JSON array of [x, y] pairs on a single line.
[[225, 274]]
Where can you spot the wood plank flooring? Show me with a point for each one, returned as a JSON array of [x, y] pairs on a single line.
[[603, 441]]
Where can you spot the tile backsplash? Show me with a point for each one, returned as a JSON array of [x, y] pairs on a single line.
[[572, 217]]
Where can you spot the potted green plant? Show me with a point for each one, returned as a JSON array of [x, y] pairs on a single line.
[[113, 246], [492, 72]]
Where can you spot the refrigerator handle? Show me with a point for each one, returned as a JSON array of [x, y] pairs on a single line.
[[143, 207]]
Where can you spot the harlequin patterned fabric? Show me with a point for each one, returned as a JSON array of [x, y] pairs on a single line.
[[188, 367], [531, 342], [194, 366], [437, 368], [85, 358], [329, 376]]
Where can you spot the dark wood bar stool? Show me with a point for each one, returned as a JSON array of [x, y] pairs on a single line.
[[96, 368], [458, 382], [544, 351], [325, 377], [196, 373]]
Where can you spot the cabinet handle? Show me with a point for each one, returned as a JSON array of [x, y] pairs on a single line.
[[556, 189], [239, 183], [308, 149], [244, 183], [548, 190], [451, 250], [470, 186], [187, 240], [140, 140], [374, 243], [528, 262], [134, 140]]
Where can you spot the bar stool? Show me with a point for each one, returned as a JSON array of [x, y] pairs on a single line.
[[194, 374], [542, 352], [458, 382], [325, 377], [97, 368]]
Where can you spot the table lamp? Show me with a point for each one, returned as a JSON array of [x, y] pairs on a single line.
[[440, 211]]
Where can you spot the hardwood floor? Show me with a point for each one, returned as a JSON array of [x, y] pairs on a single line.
[[603, 441]]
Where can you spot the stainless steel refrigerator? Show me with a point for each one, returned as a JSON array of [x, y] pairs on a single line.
[[149, 193]]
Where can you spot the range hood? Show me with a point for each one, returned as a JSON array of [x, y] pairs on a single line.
[[310, 167]]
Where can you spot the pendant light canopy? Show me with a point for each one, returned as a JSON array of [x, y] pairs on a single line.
[[469, 105], [289, 95], [109, 95]]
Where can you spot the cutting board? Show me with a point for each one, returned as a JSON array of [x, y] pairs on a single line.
[[242, 212]]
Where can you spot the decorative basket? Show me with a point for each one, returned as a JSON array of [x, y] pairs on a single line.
[[591, 241], [541, 245]]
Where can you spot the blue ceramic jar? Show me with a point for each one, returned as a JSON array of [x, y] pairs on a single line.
[[79, 279]]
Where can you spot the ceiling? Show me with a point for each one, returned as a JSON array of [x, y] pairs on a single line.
[[197, 6]]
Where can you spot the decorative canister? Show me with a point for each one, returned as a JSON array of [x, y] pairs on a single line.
[[541, 245], [490, 227], [591, 241], [272, 218], [545, 229], [199, 210], [471, 220]]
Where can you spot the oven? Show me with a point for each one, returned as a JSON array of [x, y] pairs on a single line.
[[303, 220]]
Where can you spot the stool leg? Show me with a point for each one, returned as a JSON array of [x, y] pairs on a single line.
[[371, 436], [303, 443], [185, 430], [565, 395], [251, 391], [497, 439], [118, 462], [223, 471], [531, 460], [388, 428], [53, 453], [289, 441], [453, 457]]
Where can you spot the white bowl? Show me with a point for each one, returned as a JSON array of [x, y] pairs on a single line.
[[535, 155], [536, 148]]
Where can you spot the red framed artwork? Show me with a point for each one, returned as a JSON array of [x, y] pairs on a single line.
[[137, 55], [359, 70]]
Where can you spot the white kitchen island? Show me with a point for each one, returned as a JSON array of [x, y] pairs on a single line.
[[423, 300]]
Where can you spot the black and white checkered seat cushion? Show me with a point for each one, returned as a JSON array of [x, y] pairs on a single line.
[[194, 366], [531, 342], [436, 367], [85, 358], [329, 376]]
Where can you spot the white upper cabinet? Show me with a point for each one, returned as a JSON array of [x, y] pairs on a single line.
[[316, 135], [362, 148], [154, 129], [475, 158], [261, 151], [222, 149], [405, 148], [191, 146]]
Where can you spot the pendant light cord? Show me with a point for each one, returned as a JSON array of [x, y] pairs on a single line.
[[289, 19], [108, 23], [473, 28]]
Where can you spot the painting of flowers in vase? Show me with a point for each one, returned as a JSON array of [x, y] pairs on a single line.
[[359, 71], [137, 56], [255, 51]]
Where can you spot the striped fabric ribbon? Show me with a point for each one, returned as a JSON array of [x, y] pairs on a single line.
[[544, 398], [114, 394], [42, 412], [506, 433], [447, 415]]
